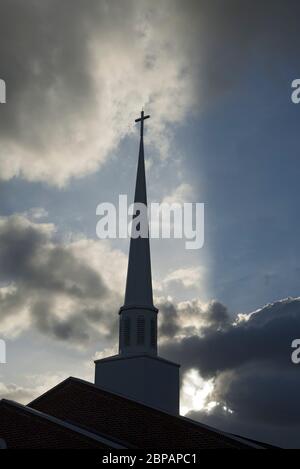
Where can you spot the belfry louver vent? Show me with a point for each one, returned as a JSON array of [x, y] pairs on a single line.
[[126, 332], [140, 330], [153, 333]]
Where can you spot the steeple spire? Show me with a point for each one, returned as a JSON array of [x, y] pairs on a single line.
[[138, 326], [137, 371], [139, 283]]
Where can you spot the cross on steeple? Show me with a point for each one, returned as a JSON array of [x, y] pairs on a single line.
[[141, 120]]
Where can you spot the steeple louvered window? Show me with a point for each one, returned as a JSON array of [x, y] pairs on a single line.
[[126, 332], [140, 330], [153, 333]]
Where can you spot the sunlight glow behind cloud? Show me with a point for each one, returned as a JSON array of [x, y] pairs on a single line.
[[195, 393], [71, 111]]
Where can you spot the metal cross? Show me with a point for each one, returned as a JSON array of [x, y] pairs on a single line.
[[141, 120]]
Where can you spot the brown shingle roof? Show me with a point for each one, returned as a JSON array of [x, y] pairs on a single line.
[[24, 428], [101, 411]]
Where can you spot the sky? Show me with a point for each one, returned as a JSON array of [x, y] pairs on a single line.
[[216, 79]]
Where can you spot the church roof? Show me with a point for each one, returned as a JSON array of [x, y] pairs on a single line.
[[22, 427], [123, 421]]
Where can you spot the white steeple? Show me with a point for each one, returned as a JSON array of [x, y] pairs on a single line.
[[137, 371], [138, 316]]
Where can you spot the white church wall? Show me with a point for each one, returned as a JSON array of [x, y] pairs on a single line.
[[150, 380]]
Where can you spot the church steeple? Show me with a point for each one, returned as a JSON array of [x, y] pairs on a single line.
[[137, 371], [139, 282], [138, 316]]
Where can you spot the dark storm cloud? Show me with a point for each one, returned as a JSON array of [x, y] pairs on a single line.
[[236, 37], [284, 436], [190, 317], [168, 319], [217, 315], [53, 97], [267, 339], [265, 404], [23, 257], [40, 47], [44, 278], [71, 67], [79, 327], [46, 44], [73, 328], [258, 395], [250, 363]]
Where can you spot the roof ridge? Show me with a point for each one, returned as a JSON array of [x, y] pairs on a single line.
[[70, 426], [195, 423]]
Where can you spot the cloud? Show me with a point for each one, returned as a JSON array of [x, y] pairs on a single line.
[[73, 91], [183, 193], [195, 392], [237, 371], [257, 402], [16, 393], [77, 74], [52, 285], [188, 319], [37, 213], [245, 342], [34, 386], [248, 360], [187, 277]]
